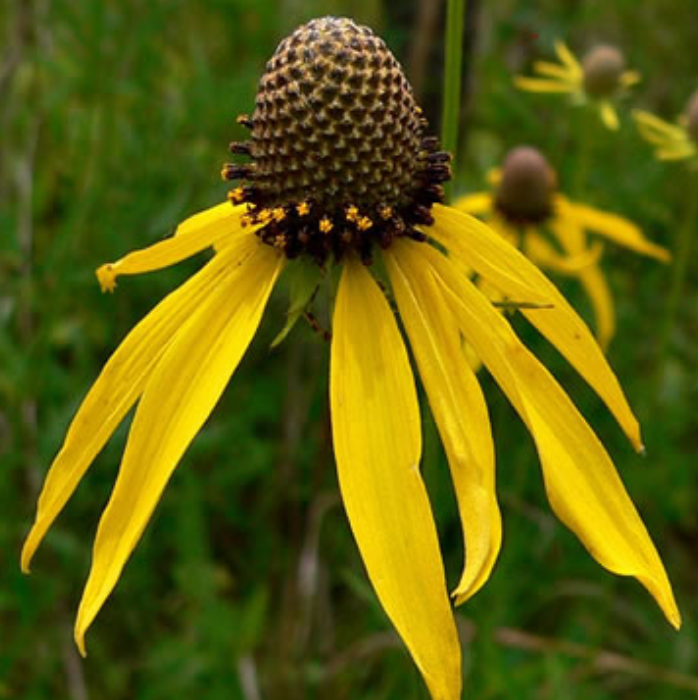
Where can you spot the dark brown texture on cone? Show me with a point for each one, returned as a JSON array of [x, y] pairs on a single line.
[[525, 193], [338, 145], [603, 67]]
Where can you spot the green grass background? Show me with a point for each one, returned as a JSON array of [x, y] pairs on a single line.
[[114, 121]]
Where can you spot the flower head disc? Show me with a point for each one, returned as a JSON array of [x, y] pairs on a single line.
[[340, 159], [603, 68], [527, 186]]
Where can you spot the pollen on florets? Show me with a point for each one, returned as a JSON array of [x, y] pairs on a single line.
[[692, 116], [527, 187], [337, 144], [603, 67]]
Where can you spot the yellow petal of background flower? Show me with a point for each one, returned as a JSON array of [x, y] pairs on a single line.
[[654, 124], [193, 235], [541, 252], [582, 484], [615, 228], [377, 444], [459, 409], [594, 283], [629, 78], [561, 325], [572, 239], [118, 387], [568, 58], [179, 396], [609, 116], [554, 70], [677, 152], [476, 203], [543, 85]]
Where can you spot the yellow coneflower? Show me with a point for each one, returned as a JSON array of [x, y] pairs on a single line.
[[672, 141], [342, 172], [527, 209], [599, 79]]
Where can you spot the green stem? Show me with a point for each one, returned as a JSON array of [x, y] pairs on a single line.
[[585, 150], [682, 256], [455, 19]]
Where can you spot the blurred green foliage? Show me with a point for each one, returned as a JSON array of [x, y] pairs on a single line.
[[114, 117]]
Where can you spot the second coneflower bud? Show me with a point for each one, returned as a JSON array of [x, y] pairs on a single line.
[[526, 189], [603, 68]]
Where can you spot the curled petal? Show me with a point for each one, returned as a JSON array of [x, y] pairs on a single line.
[[193, 235]]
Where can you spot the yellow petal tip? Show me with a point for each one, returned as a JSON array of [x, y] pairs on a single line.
[[107, 277], [79, 637], [27, 554]]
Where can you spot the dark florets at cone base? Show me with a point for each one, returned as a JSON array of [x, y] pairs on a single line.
[[339, 155], [603, 67], [692, 116], [525, 192]]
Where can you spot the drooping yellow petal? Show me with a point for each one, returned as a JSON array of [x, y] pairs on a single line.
[[594, 282], [178, 397], [651, 124], [377, 444], [539, 250], [459, 409], [568, 58], [554, 70], [613, 227], [543, 85], [478, 247], [677, 151], [582, 484], [476, 204], [572, 239], [629, 78], [193, 235], [118, 387], [609, 115], [561, 325]]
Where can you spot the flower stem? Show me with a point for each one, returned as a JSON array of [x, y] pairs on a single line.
[[679, 269], [586, 146], [455, 19]]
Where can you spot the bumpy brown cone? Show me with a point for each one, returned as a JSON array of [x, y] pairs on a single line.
[[603, 67], [525, 193], [339, 154]]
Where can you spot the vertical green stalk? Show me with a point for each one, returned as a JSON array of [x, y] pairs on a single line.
[[586, 146], [682, 256], [455, 19]]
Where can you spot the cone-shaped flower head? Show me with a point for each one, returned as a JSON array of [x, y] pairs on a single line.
[[692, 116], [527, 185], [339, 155], [603, 67]]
